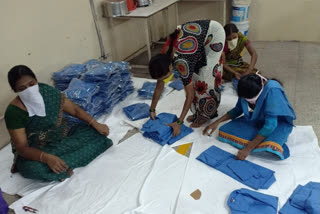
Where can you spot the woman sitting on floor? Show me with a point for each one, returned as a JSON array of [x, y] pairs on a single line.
[[236, 42], [267, 127], [45, 147]]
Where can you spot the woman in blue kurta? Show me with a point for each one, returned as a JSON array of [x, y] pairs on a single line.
[[264, 128]]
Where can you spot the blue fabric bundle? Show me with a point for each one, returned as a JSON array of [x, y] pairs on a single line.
[[235, 84], [304, 200], [64, 77], [244, 201], [147, 90], [137, 111], [250, 174], [158, 131], [177, 84], [99, 87]]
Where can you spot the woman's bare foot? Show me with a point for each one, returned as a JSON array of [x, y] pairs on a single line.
[[198, 122], [190, 119], [195, 125]]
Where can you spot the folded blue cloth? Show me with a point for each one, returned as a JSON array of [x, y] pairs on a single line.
[[177, 84], [3, 205], [244, 201], [158, 131], [147, 90], [304, 200], [250, 174], [137, 111]]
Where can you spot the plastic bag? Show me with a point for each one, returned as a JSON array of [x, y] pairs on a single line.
[[137, 111], [147, 90], [62, 78]]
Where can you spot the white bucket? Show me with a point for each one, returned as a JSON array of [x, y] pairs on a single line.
[[242, 26], [240, 10]]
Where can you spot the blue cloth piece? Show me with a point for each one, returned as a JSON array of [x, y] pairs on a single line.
[[137, 111], [304, 200], [250, 174], [158, 131], [177, 84], [3, 205], [244, 201], [235, 84], [147, 90]]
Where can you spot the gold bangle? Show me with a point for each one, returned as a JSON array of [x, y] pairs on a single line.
[[91, 122], [41, 156]]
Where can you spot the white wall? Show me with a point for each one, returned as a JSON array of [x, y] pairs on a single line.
[[272, 20]]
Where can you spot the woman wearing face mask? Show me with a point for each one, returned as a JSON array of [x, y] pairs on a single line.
[[234, 67], [265, 128], [194, 51], [44, 146]]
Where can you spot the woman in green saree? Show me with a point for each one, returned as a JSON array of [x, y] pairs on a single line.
[[44, 146], [236, 42]]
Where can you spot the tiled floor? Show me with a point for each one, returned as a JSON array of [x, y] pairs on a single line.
[[296, 64]]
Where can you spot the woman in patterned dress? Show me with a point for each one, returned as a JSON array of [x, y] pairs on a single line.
[[44, 146], [194, 50]]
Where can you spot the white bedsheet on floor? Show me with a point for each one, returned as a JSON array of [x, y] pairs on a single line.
[[140, 177]]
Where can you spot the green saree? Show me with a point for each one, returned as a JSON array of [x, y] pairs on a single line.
[[77, 146], [234, 58]]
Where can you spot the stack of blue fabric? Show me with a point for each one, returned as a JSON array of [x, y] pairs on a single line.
[[177, 84], [304, 199], [137, 111], [99, 88], [147, 90], [64, 77], [247, 201], [158, 131]]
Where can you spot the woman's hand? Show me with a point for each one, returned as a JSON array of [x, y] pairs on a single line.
[[176, 128], [103, 129], [243, 154], [55, 163], [153, 115], [211, 128], [237, 75]]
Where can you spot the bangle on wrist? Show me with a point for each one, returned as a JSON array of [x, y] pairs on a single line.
[[41, 157], [179, 122], [152, 110], [91, 121]]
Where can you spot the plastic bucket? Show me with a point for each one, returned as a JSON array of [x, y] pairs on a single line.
[[240, 10], [242, 26]]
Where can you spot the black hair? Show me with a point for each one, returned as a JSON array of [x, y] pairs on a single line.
[[173, 36], [159, 66], [17, 72], [249, 86], [230, 28]]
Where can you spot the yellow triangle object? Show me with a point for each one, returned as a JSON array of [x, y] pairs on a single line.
[[183, 149]]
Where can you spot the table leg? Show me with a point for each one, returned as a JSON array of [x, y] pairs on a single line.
[[114, 53], [177, 13], [147, 30], [166, 21]]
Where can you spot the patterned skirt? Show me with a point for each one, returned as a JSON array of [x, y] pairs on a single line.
[[240, 132], [208, 81]]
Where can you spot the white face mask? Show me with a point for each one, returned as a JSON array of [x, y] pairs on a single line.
[[33, 101], [233, 44]]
